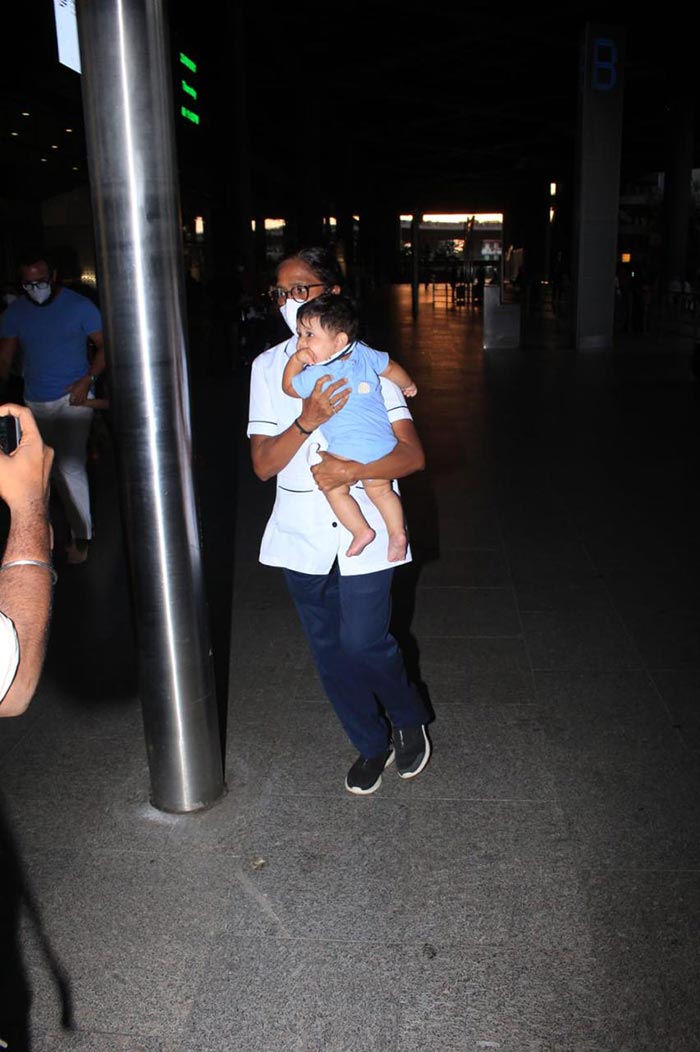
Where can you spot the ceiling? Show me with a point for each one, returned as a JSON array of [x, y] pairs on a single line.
[[450, 105]]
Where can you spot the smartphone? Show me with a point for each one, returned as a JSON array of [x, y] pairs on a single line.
[[10, 433]]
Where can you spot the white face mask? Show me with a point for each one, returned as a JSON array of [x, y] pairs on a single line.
[[289, 313], [40, 295]]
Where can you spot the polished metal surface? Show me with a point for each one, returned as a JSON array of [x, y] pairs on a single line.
[[133, 177]]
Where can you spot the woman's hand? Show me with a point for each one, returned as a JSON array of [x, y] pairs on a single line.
[[322, 404], [332, 472]]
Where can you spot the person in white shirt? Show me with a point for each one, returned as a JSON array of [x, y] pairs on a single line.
[[344, 603], [26, 573]]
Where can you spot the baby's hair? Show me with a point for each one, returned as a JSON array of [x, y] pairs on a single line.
[[335, 312]]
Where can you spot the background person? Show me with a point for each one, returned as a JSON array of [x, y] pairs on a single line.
[[26, 573], [52, 325], [344, 604]]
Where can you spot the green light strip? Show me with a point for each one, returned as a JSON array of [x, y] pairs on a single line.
[[188, 89], [188, 62], [189, 115]]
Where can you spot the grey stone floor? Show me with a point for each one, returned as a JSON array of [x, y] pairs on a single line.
[[536, 889]]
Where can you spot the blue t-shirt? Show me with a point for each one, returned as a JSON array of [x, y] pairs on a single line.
[[361, 430], [53, 339]]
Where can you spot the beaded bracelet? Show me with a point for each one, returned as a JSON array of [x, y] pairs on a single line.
[[32, 562]]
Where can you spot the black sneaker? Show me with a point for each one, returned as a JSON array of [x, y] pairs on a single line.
[[413, 749], [365, 775]]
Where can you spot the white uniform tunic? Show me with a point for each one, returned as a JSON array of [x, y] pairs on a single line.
[[302, 533], [9, 654]]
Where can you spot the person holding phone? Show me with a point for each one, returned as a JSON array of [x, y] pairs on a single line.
[[26, 572]]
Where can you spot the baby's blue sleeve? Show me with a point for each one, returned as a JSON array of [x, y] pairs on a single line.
[[303, 382], [377, 360]]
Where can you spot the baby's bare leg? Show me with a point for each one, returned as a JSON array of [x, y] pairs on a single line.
[[347, 511], [388, 504]]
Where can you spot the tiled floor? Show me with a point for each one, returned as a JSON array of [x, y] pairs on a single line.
[[537, 888]]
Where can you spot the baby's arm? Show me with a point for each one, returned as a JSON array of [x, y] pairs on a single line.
[[400, 377], [293, 367]]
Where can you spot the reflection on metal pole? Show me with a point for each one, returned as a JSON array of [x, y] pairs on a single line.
[[133, 176]]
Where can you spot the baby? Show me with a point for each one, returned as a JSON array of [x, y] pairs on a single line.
[[327, 329]]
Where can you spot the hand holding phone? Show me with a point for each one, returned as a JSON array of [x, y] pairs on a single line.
[[10, 434], [25, 462]]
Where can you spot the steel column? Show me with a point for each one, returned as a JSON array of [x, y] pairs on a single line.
[[133, 176]]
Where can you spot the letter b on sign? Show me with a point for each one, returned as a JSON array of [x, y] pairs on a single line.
[[605, 56]]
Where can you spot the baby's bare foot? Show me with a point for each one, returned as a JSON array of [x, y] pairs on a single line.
[[360, 541], [398, 543]]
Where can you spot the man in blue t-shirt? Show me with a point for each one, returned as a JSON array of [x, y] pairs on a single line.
[[52, 325]]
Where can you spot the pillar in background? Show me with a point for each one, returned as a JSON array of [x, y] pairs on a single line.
[[415, 261], [598, 185], [133, 180], [678, 185]]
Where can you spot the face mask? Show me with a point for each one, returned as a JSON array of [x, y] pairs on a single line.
[[289, 313], [40, 295]]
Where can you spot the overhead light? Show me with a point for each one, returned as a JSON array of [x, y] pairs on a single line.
[[54, 147], [44, 160], [75, 168], [68, 129], [14, 133], [199, 225], [25, 114], [552, 189]]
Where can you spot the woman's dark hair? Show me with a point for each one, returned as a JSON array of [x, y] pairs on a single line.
[[323, 263], [335, 312]]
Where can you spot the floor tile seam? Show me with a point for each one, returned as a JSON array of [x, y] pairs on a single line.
[[392, 943], [475, 548], [433, 799], [666, 710], [464, 587], [531, 686], [19, 741], [472, 635], [590, 872], [80, 1031], [593, 669], [85, 854], [614, 606]]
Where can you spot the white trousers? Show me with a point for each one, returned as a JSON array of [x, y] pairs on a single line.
[[66, 429]]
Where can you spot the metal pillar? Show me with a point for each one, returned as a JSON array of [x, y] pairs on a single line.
[[415, 260], [133, 177]]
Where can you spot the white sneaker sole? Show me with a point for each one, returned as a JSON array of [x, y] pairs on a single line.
[[424, 761]]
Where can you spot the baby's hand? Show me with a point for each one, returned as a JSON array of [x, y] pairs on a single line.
[[305, 357], [410, 391]]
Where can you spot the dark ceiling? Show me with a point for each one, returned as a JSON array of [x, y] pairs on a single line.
[[449, 105]]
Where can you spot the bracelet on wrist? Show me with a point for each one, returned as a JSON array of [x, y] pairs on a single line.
[[32, 562], [300, 428]]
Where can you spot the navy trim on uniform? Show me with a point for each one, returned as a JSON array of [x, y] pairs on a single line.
[[272, 422], [287, 490]]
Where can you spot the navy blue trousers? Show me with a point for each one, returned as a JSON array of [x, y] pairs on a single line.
[[346, 621]]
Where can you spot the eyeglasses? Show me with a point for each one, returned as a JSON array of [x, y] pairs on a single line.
[[27, 285], [300, 293]]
